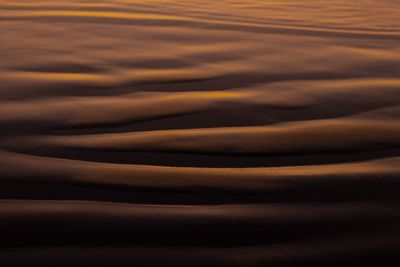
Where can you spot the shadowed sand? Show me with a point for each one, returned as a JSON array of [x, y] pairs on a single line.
[[199, 133]]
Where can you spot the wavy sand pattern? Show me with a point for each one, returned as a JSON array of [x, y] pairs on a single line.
[[199, 133]]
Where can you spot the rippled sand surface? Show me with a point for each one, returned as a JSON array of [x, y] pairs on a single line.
[[199, 133]]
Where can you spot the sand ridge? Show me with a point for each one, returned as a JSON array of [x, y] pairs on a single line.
[[199, 133]]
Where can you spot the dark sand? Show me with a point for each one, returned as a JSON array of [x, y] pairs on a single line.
[[199, 133]]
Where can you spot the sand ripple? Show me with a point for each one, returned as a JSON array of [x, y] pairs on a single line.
[[202, 133]]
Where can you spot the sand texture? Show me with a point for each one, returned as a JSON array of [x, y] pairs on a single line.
[[199, 133]]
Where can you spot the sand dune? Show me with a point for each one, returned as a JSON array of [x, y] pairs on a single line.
[[300, 138], [360, 178], [199, 133]]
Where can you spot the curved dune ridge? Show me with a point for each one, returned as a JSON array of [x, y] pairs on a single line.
[[201, 133]]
